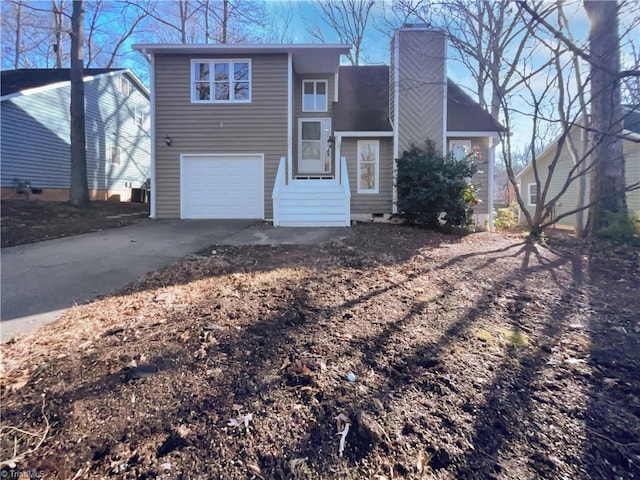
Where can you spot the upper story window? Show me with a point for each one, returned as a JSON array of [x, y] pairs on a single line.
[[314, 95], [125, 86], [221, 81], [138, 115]]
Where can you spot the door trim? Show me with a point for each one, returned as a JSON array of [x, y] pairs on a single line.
[[185, 156], [323, 142]]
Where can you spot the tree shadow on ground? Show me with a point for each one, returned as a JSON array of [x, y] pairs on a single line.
[[613, 414]]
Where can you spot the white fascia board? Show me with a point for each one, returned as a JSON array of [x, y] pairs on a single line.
[[220, 48], [363, 134], [473, 134]]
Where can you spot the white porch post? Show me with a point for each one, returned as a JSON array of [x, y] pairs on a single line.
[[338, 143]]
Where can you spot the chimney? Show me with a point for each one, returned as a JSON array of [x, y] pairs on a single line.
[[418, 83]]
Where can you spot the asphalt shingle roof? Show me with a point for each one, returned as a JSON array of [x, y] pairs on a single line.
[[363, 104], [13, 81]]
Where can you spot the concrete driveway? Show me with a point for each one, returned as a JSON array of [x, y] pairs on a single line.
[[41, 280]]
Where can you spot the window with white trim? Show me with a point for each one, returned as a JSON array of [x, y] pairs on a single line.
[[532, 194], [314, 95], [368, 166], [115, 155], [138, 115], [221, 81], [125, 86], [460, 149]]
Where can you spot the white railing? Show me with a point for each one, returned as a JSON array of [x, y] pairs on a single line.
[[277, 189], [344, 180]]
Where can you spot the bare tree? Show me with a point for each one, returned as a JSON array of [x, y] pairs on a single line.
[[79, 191], [348, 19], [104, 42]]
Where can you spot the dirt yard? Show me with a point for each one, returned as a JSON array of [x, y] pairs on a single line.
[[29, 221], [394, 354]]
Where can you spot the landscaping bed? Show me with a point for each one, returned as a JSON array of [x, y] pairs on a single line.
[[448, 357], [29, 221]]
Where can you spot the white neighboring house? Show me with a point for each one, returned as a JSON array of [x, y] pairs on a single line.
[[35, 143], [569, 200]]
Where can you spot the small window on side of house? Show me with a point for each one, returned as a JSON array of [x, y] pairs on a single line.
[[532, 194], [138, 115], [115, 155], [125, 86]]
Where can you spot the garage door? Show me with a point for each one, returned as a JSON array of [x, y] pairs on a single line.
[[222, 186]]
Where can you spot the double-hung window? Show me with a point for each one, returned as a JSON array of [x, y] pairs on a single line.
[[221, 81], [368, 166], [532, 194], [314, 95], [115, 155]]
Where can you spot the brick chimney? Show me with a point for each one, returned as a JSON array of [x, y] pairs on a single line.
[[418, 84]]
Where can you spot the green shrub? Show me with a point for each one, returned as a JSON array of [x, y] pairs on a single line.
[[505, 218], [621, 228], [432, 190]]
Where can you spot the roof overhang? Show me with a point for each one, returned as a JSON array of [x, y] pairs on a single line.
[[307, 58], [463, 133]]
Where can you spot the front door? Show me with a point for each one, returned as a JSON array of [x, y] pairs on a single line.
[[314, 149]]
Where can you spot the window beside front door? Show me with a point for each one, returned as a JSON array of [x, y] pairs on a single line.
[[459, 149], [227, 81], [314, 95], [368, 166], [315, 150]]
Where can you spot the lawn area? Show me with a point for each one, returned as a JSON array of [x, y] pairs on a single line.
[[29, 221], [435, 356]]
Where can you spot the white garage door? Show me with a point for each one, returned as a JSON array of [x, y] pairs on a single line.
[[222, 186]]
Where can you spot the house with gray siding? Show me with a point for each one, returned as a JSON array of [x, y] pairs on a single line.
[[531, 182], [285, 133], [35, 129]]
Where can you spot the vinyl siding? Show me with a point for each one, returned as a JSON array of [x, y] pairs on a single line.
[[569, 200], [368, 203], [36, 145], [256, 127], [298, 113], [421, 88], [481, 178]]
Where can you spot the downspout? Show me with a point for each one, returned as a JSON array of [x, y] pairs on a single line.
[[290, 111], [396, 104], [152, 100]]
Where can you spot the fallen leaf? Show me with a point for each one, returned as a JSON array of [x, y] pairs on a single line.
[[420, 461], [255, 469], [236, 406], [285, 363]]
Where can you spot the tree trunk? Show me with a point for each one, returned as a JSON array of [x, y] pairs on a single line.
[[59, 22], [79, 192], [225, 19], [18, 10], [607, 179]]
